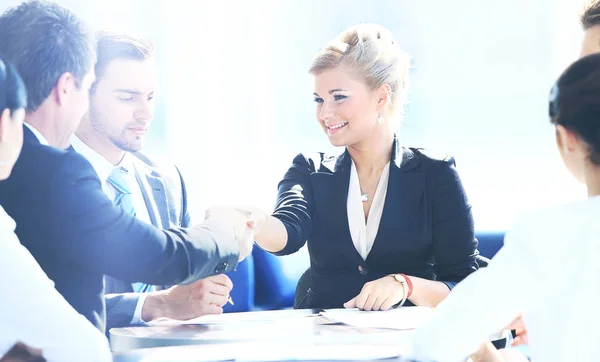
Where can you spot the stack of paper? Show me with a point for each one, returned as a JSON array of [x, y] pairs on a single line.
[[402, 318], [262, 316]]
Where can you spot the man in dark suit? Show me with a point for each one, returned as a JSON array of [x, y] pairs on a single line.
[[110, 136], [63, 216]]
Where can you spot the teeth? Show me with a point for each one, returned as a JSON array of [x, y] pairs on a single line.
[[338, 126]]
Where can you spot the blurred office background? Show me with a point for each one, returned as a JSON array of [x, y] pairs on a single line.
[[235, 105]]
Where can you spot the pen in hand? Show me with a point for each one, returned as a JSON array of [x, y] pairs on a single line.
[[230, 301]]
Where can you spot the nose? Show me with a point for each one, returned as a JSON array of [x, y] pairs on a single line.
[[326, 112], [144, 112]]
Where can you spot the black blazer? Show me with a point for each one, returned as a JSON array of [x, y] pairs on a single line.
[[426, 228], [77, 235]]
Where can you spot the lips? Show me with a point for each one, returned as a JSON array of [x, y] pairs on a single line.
[[139, 130], [335, 126]]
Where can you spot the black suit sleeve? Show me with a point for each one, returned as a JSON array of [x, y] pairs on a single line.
[[454, 240], [293, 208], [88, 229]]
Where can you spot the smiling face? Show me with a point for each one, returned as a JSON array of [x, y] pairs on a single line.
[[122, 103], [346, 108]]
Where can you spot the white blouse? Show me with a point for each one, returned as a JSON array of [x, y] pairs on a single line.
[[34, 313], [364, 233], [548, 270]]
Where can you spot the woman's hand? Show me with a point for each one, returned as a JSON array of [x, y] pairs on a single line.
[[256, 217], [488, 353], [522, 337], [380, 294]]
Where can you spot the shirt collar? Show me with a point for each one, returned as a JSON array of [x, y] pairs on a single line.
[[6, 222], [37, 134], [100, 164]]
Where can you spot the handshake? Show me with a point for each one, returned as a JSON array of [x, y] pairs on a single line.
[[244, 222]]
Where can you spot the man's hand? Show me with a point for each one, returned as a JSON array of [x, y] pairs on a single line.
[[239, 223], [183, 302]]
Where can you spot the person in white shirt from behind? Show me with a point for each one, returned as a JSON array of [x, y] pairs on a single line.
[[548, 268], [32, 311]]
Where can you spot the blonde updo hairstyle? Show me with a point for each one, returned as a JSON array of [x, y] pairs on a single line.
[[370, 51]]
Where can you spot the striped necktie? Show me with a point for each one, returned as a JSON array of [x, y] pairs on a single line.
[[124, 200]]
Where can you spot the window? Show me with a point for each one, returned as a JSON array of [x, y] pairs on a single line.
[[235, 102]]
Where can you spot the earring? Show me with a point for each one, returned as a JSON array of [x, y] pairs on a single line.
[[380, 119]]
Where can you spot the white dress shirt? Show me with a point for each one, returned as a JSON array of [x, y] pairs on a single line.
[[103, 169], [37, 134], [34, 313], [364, 233], [549, 271]]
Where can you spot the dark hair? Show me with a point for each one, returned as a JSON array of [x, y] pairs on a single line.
[[591, 15], [111, 46], [13, 94], [575, 102], [43, 41]]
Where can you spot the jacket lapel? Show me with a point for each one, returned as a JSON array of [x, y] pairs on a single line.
[[330, 188], [155, 197], [404, 195]]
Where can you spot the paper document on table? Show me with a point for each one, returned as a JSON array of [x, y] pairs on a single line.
[[321, 353], [268, 352], [398, 318], [262, 316]]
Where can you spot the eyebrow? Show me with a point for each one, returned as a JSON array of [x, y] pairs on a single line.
[[130, 91], [331, 91]]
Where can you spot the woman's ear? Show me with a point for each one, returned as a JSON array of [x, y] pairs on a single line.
[[566, 140], [384, 96], [4, 126]]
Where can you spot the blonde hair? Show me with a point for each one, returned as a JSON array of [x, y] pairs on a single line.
[[370, 51]]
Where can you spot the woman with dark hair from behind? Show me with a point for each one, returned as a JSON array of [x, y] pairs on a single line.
[[548, 268], [34, 317]]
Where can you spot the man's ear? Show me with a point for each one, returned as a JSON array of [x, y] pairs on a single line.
[[4, 120], [64, 86]]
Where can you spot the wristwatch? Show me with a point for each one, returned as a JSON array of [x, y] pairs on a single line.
[[400, 279]]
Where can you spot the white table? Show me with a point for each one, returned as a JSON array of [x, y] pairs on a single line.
[[287, 330]]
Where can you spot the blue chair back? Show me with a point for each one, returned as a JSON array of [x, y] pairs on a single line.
[[490, 242], [242, 293], [277, 277]]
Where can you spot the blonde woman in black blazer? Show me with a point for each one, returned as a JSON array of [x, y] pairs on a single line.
[[385, 224]]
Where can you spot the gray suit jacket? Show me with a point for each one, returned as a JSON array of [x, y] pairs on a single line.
[[164, 192]]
